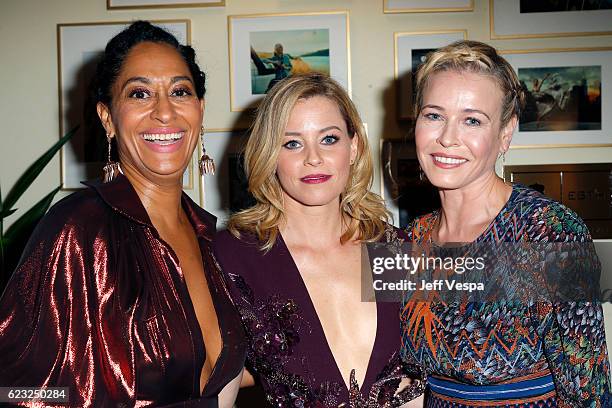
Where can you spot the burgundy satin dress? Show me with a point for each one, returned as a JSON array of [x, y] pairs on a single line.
[[99, 304]]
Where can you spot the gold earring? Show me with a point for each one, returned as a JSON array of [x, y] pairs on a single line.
[[206, 163], [112, 169]]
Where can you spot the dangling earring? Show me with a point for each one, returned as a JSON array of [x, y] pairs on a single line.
[[206, 164], [112, 169], [503, 157], [421, 173]]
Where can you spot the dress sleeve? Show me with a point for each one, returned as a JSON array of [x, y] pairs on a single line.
[[574, 338], [48, 331]]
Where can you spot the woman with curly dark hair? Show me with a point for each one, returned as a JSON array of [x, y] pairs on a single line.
[[117, 296]]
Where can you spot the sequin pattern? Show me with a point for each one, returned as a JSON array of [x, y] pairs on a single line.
[[287, 351]]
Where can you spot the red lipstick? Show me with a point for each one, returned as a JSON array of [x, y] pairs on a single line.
[[315, 178]]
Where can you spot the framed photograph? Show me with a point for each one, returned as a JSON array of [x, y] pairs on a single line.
[[227, 191], [146, 4], [431, 6], [407, 193], [264, 49], [410, 50], [568, 98], [79, 47], [549, 18]]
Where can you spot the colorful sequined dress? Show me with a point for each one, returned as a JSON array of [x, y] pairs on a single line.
[[497, 354], [288, 352]]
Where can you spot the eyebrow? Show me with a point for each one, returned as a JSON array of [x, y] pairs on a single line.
[[467, 110], [477, 111], [148, 81], [320, 131]]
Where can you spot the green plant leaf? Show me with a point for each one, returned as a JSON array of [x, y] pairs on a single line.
[[26, 179], [24, 226], [17, 235], [6, 213]]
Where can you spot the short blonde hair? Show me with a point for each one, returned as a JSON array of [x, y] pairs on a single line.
[[365, 210], [476, 57]]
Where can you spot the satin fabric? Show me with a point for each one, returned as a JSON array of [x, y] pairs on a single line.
[[99, 304]]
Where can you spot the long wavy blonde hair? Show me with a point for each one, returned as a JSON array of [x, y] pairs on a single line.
[[364, 212]]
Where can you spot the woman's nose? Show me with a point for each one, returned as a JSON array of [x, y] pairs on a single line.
[[163, 110], [313, 157], [448, 135]]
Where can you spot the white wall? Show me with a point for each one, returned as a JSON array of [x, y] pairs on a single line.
[[29, 85]]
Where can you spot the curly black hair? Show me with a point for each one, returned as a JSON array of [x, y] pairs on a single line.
[[120, 45]]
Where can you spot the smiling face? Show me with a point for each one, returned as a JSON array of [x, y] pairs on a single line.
[[155, 113], [314, 162], [458, 131]]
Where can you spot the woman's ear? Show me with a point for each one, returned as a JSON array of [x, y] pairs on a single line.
[[506, 134], [105, 117], [354, 147]]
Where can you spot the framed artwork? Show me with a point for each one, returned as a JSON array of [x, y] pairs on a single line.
[[227, 191], [264, 49], [410, 50], [431, 6], [568, 101], [407, 194], [146, 4], [79, 47], [549, 18]]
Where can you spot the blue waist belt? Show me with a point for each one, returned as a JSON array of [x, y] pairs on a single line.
[[508, 391]]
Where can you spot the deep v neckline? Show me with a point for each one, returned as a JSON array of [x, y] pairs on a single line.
[[192, 318], [367, 379]]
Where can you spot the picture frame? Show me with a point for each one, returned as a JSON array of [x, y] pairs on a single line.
[[526, 19], [316, 41], [408, 46], [568, 103], [155, 4], [79, 45], [227, 190], [432, 6]]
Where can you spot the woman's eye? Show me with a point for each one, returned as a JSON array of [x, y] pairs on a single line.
[[433, 116], [139, 94], [292, 144], [182, 92], [329, 140], [472, 122]]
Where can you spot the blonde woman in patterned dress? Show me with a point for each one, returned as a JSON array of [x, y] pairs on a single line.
[[492, 354]]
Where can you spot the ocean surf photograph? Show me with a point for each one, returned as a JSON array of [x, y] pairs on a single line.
[[275, 55]]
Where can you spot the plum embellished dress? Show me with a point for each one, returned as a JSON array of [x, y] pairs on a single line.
[[288, 352]]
